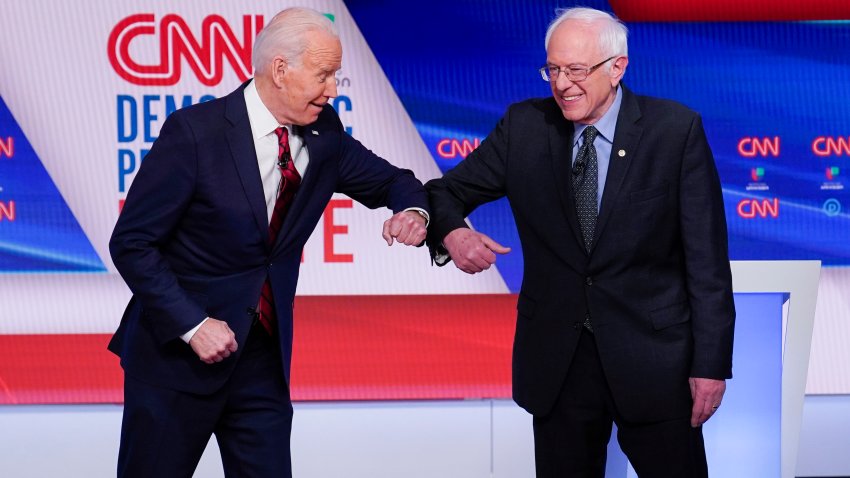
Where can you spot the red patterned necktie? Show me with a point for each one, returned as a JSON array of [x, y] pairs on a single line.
[[289, 182]]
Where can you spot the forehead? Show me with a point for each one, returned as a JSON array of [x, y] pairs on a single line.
[[322, 50], [573, 42]]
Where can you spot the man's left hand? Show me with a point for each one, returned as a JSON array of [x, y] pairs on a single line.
[[707, 394], [406, 227]]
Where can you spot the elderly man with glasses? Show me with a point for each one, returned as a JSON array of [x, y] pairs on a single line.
[[625, 314]]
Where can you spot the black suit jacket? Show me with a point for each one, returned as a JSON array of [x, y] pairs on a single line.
[[657, 282], [192, 239]]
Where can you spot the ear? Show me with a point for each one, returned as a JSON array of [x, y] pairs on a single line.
[[618, 69], [279, 66]]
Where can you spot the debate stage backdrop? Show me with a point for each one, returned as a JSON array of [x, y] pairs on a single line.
[[84, 91]]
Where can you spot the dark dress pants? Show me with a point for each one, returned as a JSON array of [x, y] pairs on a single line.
[[164, 432], [571, 441]]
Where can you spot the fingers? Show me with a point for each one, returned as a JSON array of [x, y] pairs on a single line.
[[707, 395], [701, 412], [386, 232], [495, 246], [476, 257], [218, 353], [406, 227], [214, 342], [471, 251]]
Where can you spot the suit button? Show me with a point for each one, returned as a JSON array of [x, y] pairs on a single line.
[[588, 281]]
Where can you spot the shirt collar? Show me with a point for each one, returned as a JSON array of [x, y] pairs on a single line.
[[607, 124], [262, 120]]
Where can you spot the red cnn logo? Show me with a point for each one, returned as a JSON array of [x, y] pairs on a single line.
[[828, 146], [177, 42], [751, 147], [452, 148], [751, 208]]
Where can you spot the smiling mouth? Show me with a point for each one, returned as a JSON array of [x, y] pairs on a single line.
[[570, 99]]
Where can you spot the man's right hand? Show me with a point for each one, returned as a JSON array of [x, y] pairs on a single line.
[[472, 251], [214, 341]]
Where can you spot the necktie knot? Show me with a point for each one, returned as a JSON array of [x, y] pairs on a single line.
[[589, 135], [283, 154], [282, 136]]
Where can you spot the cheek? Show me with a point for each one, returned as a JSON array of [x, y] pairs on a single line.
[[596, 95], [318, 91]]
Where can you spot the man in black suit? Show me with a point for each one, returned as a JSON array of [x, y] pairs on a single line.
[[210, 241], [625, 313]]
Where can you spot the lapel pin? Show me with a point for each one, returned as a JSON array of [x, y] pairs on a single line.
[[621, 153], [315, 133]]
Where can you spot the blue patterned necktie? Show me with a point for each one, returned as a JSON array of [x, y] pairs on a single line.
[[585, 185]]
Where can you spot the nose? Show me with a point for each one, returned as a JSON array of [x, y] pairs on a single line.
[[561, 82], [330, 88]]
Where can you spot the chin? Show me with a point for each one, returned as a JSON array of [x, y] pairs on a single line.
[[570, 115]]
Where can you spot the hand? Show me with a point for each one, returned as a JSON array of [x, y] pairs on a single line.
[[214, 341], [707, 394], [472, 251], [406, 227]]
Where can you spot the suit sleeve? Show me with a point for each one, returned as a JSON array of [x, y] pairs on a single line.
[[161, 192], [708, 275], [478, 179], [374, 182]]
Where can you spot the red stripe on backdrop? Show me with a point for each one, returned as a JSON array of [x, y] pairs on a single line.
[[729, 10], [58, 369], [346, 348]]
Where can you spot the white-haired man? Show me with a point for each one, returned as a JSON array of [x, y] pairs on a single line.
[[625, 313], [210, 241]]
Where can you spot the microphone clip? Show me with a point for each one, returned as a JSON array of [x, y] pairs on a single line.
[[284, 160]]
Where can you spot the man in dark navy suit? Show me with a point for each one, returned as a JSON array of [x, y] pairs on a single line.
[[210, 241], [625, 313]]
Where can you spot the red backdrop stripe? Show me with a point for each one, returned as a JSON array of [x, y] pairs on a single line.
[[346, 348]]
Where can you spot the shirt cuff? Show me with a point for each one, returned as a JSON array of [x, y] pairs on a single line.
[[188, 335]]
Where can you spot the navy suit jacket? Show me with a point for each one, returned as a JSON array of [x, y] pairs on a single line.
[[192, 239], [656, 283]]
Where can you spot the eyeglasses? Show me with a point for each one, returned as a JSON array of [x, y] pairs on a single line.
[[574, 73]]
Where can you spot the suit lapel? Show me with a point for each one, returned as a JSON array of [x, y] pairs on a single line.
[[560, 150], [245, 158], [626, 139]]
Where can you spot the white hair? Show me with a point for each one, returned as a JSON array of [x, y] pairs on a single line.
[[613, 33], [285, 35]]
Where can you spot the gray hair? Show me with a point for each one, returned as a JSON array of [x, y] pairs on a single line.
[[613, 33], [285, 35]]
